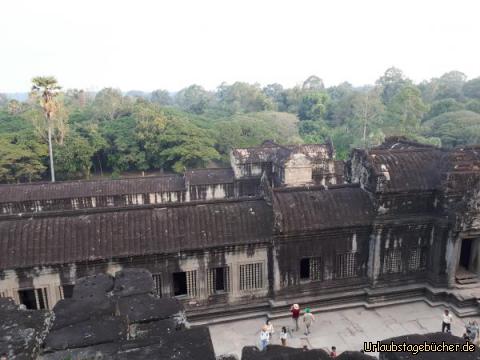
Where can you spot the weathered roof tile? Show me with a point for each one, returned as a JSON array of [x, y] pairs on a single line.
[[74, 189], [78, 238], [318, 208]]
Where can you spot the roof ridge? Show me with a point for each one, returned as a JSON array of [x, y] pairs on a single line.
[[89, 211], [316, 187], [89, 181]]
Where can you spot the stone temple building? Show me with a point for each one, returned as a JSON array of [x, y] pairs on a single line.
[[283, 224]]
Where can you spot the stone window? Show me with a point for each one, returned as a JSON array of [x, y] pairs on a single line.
[[392, 261], [157, 280], [34, 299], [251, 276], [311, 269], [185, 283], [218, 280], [346, 265], [417, 259]]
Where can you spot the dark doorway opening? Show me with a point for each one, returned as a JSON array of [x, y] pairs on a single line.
[[220, 279], [67, 291], [465, 252], [180, 283], [27, 298], [305, 269]]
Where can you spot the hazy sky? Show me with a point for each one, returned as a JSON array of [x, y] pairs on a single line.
[[139, 44]]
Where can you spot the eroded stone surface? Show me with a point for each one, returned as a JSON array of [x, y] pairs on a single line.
[[21, 331], [437, 338], [133, 282], [279, 352]]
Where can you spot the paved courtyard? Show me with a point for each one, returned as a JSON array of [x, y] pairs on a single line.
[[346, 329]]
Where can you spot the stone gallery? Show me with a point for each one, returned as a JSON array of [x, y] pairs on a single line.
[[283, 224]]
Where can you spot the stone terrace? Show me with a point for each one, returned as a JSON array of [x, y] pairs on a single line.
[[346, 329]]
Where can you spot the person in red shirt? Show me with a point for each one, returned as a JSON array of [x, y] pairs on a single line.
[[295, 310], [333, 353]]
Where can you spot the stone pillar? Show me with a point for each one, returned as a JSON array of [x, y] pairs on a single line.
[[374, 259]]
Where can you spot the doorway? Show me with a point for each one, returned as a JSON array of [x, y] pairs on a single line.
[[465, 254], [180, 284], [467, 268]]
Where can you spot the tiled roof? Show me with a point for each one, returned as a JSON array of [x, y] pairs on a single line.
[[209, 176], [304, 210], [315, 152], [49, 240], [408, 170], [266, 153], [270, 151], [74, 189]]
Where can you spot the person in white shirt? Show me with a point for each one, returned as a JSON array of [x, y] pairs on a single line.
[[270, 329], [447, 322], [264, 338]]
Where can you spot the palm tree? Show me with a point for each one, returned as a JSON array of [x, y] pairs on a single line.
[[45, 88]]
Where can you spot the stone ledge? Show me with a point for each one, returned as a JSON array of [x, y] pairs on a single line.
[[369, 298]]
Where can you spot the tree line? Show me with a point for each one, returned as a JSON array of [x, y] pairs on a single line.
[[110, 133]]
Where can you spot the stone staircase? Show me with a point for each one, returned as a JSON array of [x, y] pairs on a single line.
[[464, 303], [465, 277]]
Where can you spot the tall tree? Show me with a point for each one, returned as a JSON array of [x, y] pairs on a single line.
[[450, 85], [444, 106], [405, 111], [340, 106], [45, 89], [161, 97], [243, 97], [473, 105], [392, 81], [14, 107], [74, 157], [471, 88], [193, 99], [313, 106], [367, 108], [76, 98], [109, 104], [20, 159], [454, 128], [276, 94]]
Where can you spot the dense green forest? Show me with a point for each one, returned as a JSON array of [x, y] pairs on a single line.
[[109, 133]]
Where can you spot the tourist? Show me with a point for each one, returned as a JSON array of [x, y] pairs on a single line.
[[447, 322], [270, 329], [3, 357], [476, 332], [283, 336], [295, 310], [333, 353], [472, 331], [308, 319], [467, 335], [475, 329], [264, 338]]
